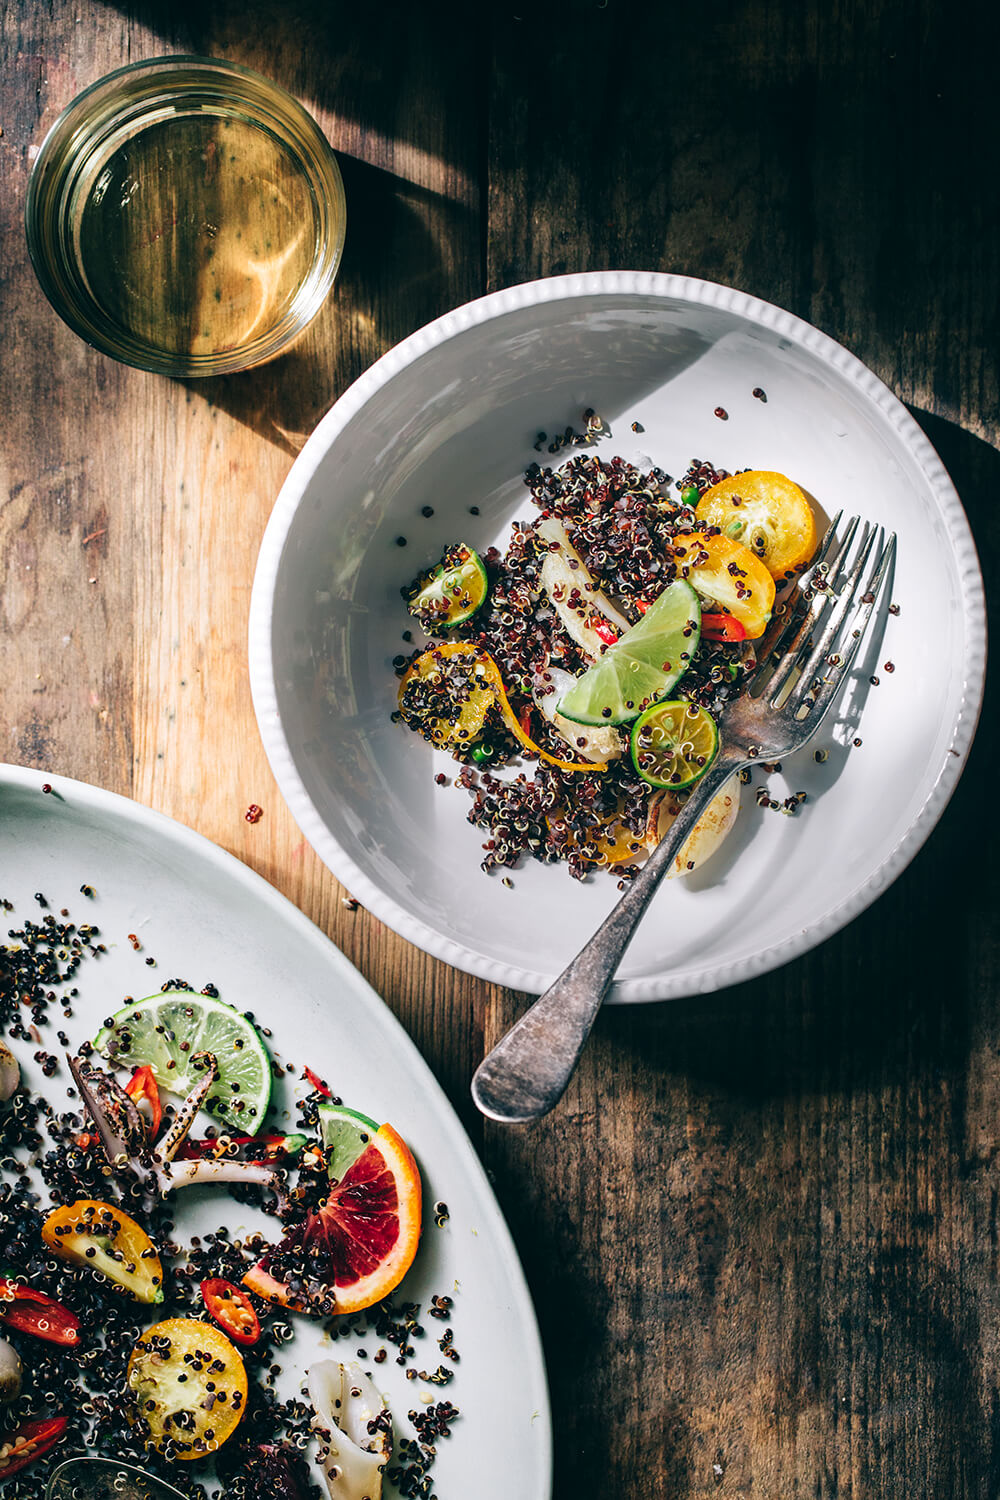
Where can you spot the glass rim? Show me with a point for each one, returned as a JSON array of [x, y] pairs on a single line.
[[78, 129]]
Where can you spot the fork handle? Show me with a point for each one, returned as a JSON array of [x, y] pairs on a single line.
[[528, 1070]]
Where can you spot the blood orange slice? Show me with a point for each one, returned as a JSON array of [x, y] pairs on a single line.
[[358, 1245]]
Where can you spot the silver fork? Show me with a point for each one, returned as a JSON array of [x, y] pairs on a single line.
[[804, 660]]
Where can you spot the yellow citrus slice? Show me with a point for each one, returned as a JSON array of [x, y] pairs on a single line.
[[436, 718], [189, 1386], [767, 513], [614, 841], [104, 1239], [728, 574]]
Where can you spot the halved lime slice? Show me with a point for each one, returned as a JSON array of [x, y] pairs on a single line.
[[168, 1030], [673, 744], [451, 592], [643, 664], [345, 1135]]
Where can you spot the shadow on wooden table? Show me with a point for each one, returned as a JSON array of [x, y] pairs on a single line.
[[814, 1162], [356, 63], [732, 1042], [401, 103], [398, 272]]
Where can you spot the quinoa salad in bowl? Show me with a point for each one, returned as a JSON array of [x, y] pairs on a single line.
[[413, 484], [601, 646]]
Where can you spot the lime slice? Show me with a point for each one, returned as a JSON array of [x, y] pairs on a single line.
[[168, 1030], [344, 1134], [451, 592], [673, 744], [643, 664]]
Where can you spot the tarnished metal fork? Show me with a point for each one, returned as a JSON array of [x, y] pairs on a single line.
[[803, 662]]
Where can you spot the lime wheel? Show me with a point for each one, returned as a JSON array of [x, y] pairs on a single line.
[[452, 592], [673, 744], [167, 1031]]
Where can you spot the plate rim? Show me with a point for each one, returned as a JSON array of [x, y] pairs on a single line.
[[694, 979], [160, 826]]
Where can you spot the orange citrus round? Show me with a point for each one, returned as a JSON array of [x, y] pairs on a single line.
[[357, 1247], [189, 1386], [728, 574], [767, 513]]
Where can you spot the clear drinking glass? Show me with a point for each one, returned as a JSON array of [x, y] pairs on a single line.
[[187, 216]]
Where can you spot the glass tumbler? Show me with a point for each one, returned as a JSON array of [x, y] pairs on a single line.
[[187, 216]]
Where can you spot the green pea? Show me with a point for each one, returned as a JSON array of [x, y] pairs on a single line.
[[481, 753], [691, 494]]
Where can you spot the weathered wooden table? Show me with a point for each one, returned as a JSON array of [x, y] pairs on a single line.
[[762, 1230]]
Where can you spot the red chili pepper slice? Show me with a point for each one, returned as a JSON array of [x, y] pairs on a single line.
[[30, 1441], [642, 605], [34, 1312], [607, 633], [723, 628], [232, 1310], [143, 1086], [317, 1083]]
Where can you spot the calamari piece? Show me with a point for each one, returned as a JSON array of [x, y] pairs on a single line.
[[564, 571], [125, 1139], [708, 833], [596, 743], [348, 1407]]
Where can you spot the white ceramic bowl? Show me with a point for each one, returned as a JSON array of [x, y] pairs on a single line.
[[447, 419]]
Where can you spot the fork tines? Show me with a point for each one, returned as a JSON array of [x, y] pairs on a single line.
[[819, 635]]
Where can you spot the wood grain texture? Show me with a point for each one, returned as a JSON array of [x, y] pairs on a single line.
[[133, 506], [762, 1231], [771, 1263]]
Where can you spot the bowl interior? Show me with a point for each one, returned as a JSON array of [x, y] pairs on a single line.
[[454, 429]]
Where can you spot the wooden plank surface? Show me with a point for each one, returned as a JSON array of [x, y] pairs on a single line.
[[136, 504], [762, 1230], [771, 1266]]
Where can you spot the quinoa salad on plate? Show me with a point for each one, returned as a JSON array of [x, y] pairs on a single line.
[[125, 1337]]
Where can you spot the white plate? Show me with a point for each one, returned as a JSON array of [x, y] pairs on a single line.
[[206, 917], [448, 419]]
